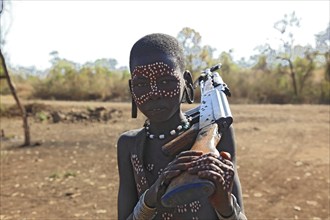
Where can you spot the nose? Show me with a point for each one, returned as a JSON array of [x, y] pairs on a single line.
[[155, 94]]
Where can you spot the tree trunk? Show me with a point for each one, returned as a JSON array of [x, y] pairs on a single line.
[[293, 76], [308, 72], [27, 140]]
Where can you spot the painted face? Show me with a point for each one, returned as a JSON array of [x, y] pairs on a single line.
[[155, 80]]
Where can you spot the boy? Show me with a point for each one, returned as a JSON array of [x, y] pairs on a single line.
[[158, 86]]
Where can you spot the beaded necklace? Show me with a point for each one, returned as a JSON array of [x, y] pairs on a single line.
[[183, 126]]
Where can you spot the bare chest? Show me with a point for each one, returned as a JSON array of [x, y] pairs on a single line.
[[155, 161]]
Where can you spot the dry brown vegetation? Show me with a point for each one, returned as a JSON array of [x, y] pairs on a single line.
[[71, 172]]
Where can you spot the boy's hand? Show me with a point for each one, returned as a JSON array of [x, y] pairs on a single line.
[[219, 170], [182, 162]]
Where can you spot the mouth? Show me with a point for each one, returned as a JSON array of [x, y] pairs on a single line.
[[156, 110]]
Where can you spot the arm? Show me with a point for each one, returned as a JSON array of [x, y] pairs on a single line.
[[127, 195], [227, 199], [228, 144]]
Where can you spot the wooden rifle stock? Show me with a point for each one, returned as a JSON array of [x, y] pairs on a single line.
[[186, 187], [181, 142]]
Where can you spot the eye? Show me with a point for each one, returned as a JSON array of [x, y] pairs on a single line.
[[167, 80], [164, 81], [139, 83]]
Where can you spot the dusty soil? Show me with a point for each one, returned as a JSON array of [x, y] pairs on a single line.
[[71, 171]]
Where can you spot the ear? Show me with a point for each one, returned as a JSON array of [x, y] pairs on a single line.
[[130, 85], [187, 77], [188, 95], [134, 107]]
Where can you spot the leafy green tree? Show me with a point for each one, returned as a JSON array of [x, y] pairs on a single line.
[[107, 63], [191, 41], [198, 57], [228, 64], [206, 57], [261, 64], [299, 60], [322, 46], [286, 51]]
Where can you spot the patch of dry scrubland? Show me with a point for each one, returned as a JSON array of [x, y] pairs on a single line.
[[282, 153]]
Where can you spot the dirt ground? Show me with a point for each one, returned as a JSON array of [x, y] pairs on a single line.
[[71, 171]]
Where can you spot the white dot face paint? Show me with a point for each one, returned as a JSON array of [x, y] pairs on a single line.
[[156, 79]]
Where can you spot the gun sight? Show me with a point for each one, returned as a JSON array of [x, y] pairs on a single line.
[[206, 74], [212, 69]]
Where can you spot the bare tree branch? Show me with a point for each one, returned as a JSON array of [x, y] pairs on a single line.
[[27, 140]]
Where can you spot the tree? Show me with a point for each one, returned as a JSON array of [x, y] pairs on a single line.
[[300, 60], [5, 74], [27, 139], [228, 65], [323, 45], [191, 42], [206, 56], [286, 52], [197, 57], [109, 64], [5, 24], [261, 64]]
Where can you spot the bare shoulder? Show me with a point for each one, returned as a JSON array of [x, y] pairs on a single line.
[[128, 139], [129, 136]]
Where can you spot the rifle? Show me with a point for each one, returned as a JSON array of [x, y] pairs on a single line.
[[209, 120]]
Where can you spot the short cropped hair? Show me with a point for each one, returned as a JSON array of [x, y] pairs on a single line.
[[158, 43]]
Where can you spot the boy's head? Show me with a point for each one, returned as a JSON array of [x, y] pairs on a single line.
[[153, 44], [158, 77]]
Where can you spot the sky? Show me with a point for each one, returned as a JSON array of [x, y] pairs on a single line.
[[84, 31]]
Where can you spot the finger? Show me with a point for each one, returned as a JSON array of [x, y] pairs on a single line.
[[205, 167], [228, 168], [225, 155], [184, 159], [205, 159], [189, 153], [226, 158], [181, 163], [228, 178], [212, 154], [211, 165], [226, 162], [218, 179], [213, 176], [222, 164], [179, 167]]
